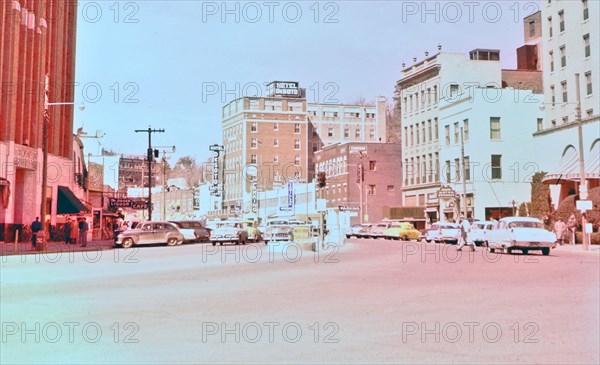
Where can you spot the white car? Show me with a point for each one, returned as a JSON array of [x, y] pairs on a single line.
[[443, 232], [358, 230], [520, 233], [479, 229]]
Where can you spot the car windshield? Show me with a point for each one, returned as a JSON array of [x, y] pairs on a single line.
[[525, 224]]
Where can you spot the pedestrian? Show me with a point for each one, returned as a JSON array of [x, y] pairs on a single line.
[[74, 229], [67, 231], [36, 226], [571, 225], [83, 229], [559, 230], [465, 228]]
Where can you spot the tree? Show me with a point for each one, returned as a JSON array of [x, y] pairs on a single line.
[[187, 168], [523, 210], [541, 202], [361, 100]]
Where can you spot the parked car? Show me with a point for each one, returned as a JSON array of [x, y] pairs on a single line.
[[443, 232], [376, 231], [150, 232], [424, 234], [254, 234], [401, 230], [358, 230], [520, 233], [229, 232], [193, 230], [478, 234], [278, 232]]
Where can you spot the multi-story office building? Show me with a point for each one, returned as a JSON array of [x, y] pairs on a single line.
[[365, 176], [37, 56], [133, 173], [571, 42], [278, 134]]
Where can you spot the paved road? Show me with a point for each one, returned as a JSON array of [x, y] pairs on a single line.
[[371, 302]]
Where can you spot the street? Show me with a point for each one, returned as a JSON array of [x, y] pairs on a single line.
[[372, 301]]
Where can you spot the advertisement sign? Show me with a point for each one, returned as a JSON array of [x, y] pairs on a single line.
[[128, 203], [285, 88], [215, 148], [254, 197], [348, 209], [446, 192], [290, 205]]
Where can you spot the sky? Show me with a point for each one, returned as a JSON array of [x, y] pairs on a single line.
[[174, 64]]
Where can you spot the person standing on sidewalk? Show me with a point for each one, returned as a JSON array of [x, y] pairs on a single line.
[[465, 228], [74, 229], [571, 226], [67, 231], [83, 229], [36, 226], [559, 230]]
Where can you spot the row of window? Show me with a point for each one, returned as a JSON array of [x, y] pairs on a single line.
[[421, 169], [427, 97], [254, 127], [422, 136], [563, 88], [587, 51], [561, 17], [332, 114], [465, 132], [357, 133], [496, 169], [254, 159]]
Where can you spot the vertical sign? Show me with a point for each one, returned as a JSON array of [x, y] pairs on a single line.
[[290, 205], [215, 187], [254, 196]]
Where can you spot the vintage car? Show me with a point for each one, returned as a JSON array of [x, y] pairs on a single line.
[[358, 230], [254, 234], [148, 233], [478, 234], [192, 230], [520, 233], [425, 233], [376, 230], [401, 230], [278, 231], [443, 232], [228, 232]]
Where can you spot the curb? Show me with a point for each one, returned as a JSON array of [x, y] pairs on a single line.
[[73, 250]]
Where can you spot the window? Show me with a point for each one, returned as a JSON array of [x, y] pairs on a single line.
[[275, 158], [296, 144], [588, 82], [422, 98], [447, 135], [553, 122], [357, 133], [466, 130], [435, 94], [457, 170], [586, 45], [315, 146], [297, 128], [531, 28], [563, 86], [372, 133], [540, 124], [346, 133], [467, 167], [417, 132], [275, 142], [412, 136], [372, 165], [435, 129], [494, 128], [371, 189], [429, 130], [297, 160], [253, 159], [423, 139], [565, 120], [253, 143], [550, 26], [590, 113], [390, 188], [453, 89], [406, 135], [496, 166], [551, 58], [275, 126], [563, 57], [561, 21], [448, 177], [437, 166], [254, 127], [428, 96], [330, 132], [586, 12], [552, 95], [456, 135]]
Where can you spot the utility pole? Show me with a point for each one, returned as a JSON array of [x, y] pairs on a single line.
[[582, 180], [464, 172], [150, 159]]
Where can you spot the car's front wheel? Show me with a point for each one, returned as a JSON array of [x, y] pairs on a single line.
[[172, 241], [525, 251], [546, 251], [127, 243]]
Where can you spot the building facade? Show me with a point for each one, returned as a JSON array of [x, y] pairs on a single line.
[[571, 41], [365, 178], [37, 63]]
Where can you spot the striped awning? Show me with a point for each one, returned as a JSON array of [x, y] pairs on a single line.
[[568, 167]]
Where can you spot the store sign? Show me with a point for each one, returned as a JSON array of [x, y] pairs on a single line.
[[286, 89], [25, 157], [254, 196], [214, 189], [348, 209], [446, 192], [290, 195], [128, 203]]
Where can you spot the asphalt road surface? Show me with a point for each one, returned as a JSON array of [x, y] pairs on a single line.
[[373, 301]]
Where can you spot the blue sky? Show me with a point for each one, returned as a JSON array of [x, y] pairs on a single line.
[[173, 64]]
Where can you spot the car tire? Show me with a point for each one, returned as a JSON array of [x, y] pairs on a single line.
[[172, 241], [127, 243], [492, 250], [545, 251], [525, 251], [214, 243], [405, 238], [266, 242]]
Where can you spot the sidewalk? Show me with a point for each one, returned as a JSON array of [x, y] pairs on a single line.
[[579, 248], [24, 248]]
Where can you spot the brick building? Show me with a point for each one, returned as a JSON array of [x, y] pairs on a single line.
[[37, 55]]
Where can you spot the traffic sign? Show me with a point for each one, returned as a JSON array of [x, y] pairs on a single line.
[[343, 208]]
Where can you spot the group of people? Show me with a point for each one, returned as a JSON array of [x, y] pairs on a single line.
[[565, 232], [76, 230]]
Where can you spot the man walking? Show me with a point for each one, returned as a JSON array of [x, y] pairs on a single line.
[[83, 228], [36, 226], [465, 228], [559, 230], [67, 231]]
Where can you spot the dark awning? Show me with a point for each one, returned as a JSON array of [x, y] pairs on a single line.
[[68, 203]]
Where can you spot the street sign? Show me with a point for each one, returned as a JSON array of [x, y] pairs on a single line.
[[343, 208], [584, 205], [290, 195], [321, 205]]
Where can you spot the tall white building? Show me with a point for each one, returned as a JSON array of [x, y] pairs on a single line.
[[571, 42]]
